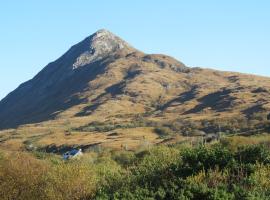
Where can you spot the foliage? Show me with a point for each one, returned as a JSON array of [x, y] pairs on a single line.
[[204, 172], [212, 172]]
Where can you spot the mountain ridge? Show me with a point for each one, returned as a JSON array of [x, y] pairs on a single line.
[[105, 76]]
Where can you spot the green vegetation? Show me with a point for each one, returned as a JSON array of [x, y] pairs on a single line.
[[211, 172]]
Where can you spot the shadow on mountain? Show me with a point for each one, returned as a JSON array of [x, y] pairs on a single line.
[[254, 109], [184, 97], [34, 104], [218, 101], [110, 92]]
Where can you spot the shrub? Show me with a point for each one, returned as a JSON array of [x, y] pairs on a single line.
[[211, 172], [70, 181], [253, 154], [261, 177], [21, 177], [163, 131], [124, 158], [203, 158]]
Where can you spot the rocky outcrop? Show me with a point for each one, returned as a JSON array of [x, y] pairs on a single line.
[[101, 44]]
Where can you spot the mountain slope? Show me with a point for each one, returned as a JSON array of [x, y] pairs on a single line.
[[55, 87], [104, 78]]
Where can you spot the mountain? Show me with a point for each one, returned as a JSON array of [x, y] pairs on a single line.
[[104, 79], [57, 86]]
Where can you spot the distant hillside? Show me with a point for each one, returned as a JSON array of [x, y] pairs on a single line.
[[103, 84]]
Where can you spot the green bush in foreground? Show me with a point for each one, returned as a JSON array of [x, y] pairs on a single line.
[[190, 173], [209, 173]]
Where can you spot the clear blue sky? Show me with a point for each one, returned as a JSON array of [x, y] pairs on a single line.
[[232, 35]]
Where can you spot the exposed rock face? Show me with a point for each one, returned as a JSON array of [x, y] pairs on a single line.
[[101, 44], [103, 77]]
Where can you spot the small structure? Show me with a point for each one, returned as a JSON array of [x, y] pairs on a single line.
[[74, 153]]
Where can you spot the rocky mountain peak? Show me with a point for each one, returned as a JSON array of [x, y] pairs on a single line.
[[101, 44]]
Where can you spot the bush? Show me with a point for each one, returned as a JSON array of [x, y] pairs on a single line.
[[204, 158], [21, 177], [253, 154], [124, 158], [163, 131], [202, 173]]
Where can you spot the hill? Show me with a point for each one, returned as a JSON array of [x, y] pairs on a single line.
[[104, 85]]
